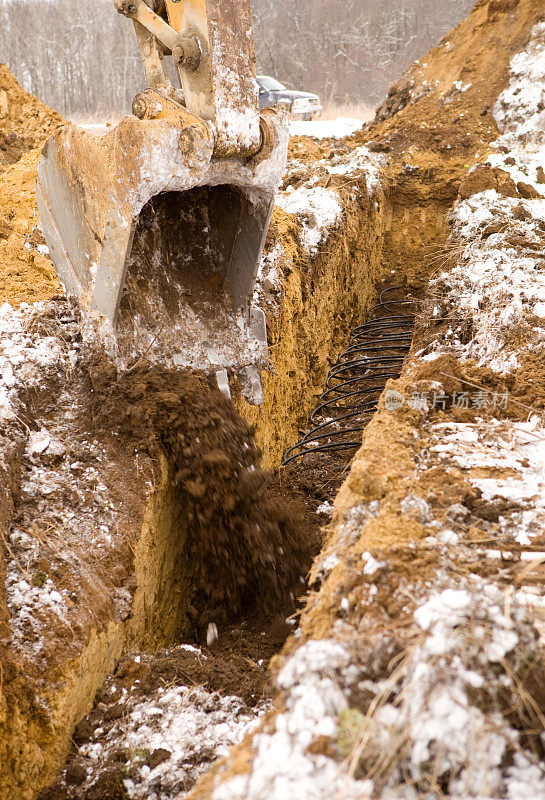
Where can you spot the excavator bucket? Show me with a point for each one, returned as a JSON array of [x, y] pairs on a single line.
[[157, 227]]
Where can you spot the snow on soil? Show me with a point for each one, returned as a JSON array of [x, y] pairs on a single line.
[[65, 514], [451, 713], [509, 464], [520, 109], [426, 712], [319, 209], [314, 698], [26, 355], [268, 283], [326, 128], [498, 284], [187, 726]]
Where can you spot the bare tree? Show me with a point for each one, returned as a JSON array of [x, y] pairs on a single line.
[[352, 50], [82, 57]]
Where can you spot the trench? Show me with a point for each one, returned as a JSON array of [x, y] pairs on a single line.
[[169, 639], [213, 671], [375, 354]]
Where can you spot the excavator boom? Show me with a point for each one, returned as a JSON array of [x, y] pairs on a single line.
[[158, 226]]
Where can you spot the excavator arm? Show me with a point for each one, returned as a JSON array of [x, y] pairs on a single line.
[[198, 35], [157, 228]]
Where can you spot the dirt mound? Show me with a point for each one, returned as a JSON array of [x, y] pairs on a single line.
[[444, 101], [25, 122], [26, 271], [242, 547]]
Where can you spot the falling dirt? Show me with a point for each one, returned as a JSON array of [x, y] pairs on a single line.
[[249, 537], [241, 547]]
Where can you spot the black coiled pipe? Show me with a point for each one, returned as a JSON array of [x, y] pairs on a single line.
[[355, 382]]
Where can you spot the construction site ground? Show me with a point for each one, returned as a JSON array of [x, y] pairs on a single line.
[[182, 617]]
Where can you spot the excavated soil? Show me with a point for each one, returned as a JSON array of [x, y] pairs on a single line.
[[27, 274], [242, 548], [236, 665], [230, 543], [431, 127], [25, 122], [248, 538]]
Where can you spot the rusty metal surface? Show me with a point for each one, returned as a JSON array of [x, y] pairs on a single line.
[[219, 85], [95, 198], [158, 227]]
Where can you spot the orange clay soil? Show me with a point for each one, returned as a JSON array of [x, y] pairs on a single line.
[[25, 122], [26, 274]]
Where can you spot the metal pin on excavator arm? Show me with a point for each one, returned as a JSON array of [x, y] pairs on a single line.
[[157, 227]]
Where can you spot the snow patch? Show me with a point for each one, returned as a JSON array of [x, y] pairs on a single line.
[[319, 211], [191, 726], [326, 129]]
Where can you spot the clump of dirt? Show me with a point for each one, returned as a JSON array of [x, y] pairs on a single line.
[[25, 122], [485, 177], [241, 546], [399, 96]]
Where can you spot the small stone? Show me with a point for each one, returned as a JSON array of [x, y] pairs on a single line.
[[211, 634], [120, 756], [157, 757], [483, 177], [528, 191], [75, 774], [521, 213], [38, 442]]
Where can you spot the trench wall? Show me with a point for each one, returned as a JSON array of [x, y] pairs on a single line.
[[322, 299]]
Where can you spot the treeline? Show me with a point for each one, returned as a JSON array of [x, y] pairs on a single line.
[[349, 51], [80, 56]]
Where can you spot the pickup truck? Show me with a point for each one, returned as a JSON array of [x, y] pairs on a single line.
[[301, 105]]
